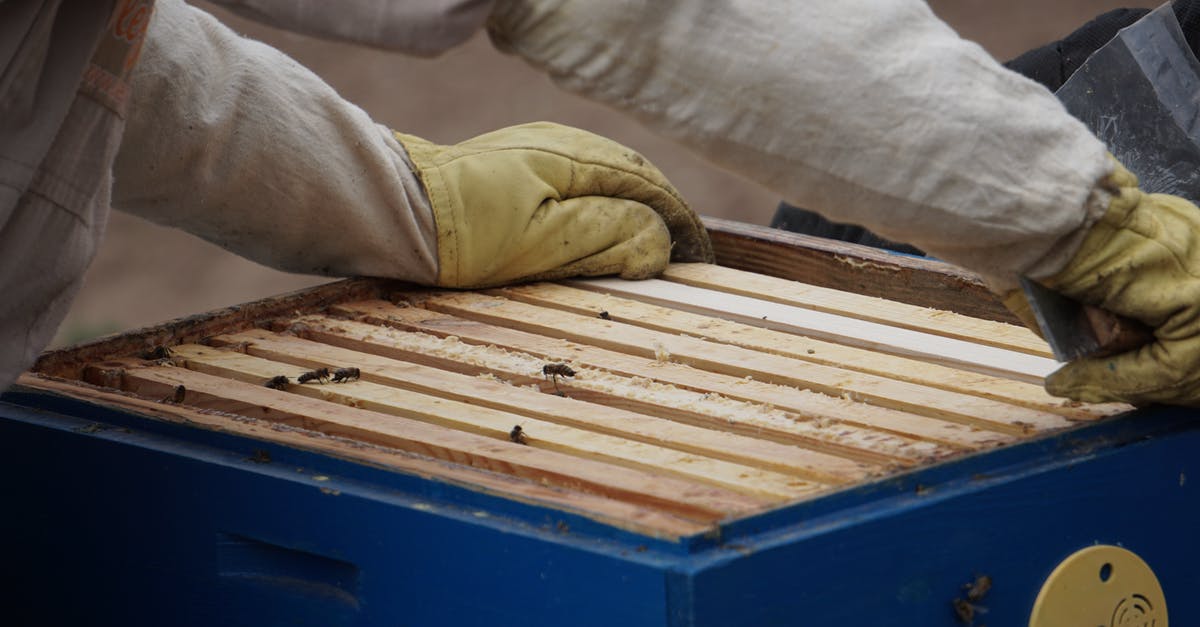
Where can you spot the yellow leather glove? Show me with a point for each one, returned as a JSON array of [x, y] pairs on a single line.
[[545, 201], [1142, 261]]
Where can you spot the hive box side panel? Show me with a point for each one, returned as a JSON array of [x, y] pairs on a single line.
[[166, 531], [904, 562]]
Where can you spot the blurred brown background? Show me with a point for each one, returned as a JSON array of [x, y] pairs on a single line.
[[145, 273]]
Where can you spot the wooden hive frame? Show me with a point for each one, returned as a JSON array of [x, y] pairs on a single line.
[[706, 396]]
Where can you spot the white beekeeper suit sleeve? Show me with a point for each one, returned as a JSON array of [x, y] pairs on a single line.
[[416, 27], [869, 111], [63, 87], [233, 141]]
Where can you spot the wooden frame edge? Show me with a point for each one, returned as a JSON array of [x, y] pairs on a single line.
[[853, 267]]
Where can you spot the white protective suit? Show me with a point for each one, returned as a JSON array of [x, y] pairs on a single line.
[[219, 135], [871, 112], [58, 137]]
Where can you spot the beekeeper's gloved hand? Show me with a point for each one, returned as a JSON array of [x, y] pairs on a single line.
[[1140, 260], [545, 201]]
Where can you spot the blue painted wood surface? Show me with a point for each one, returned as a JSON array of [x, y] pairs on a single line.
[[115, 520], [901, 561]]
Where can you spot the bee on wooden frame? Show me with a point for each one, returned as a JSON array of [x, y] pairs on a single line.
[[320, 375], [277, 383], [554, 371], [518, 435], [342, 375], [159, 352], [177, 395]]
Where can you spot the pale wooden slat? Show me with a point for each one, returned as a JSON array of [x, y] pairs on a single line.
[[495, 423], [635, 393], [637, 518], [593, 298], [889, 312], [841, 329], [690, 499], [740, 362], [737, 448], [836, 425]]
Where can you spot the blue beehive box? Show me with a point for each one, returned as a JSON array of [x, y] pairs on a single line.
[[176, 489]]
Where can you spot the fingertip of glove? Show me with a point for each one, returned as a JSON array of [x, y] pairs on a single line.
[[1085, 381], [1062, 384]]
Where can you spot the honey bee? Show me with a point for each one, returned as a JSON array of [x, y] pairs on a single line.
[[177, 395], [518, 435], [604, 316], [277, 383], [965, 611], [979, 588], [158, 352], [554, 371], [557, 370], [342, 375], [320, 375]]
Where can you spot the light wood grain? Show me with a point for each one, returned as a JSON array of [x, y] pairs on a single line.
[[874, 309], [594, 298], [740, 362], [533, 402], [849, 331], [690, 499], [836, 425], [495, 423]]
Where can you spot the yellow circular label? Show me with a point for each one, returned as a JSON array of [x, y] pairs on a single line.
[[1101, 586]]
